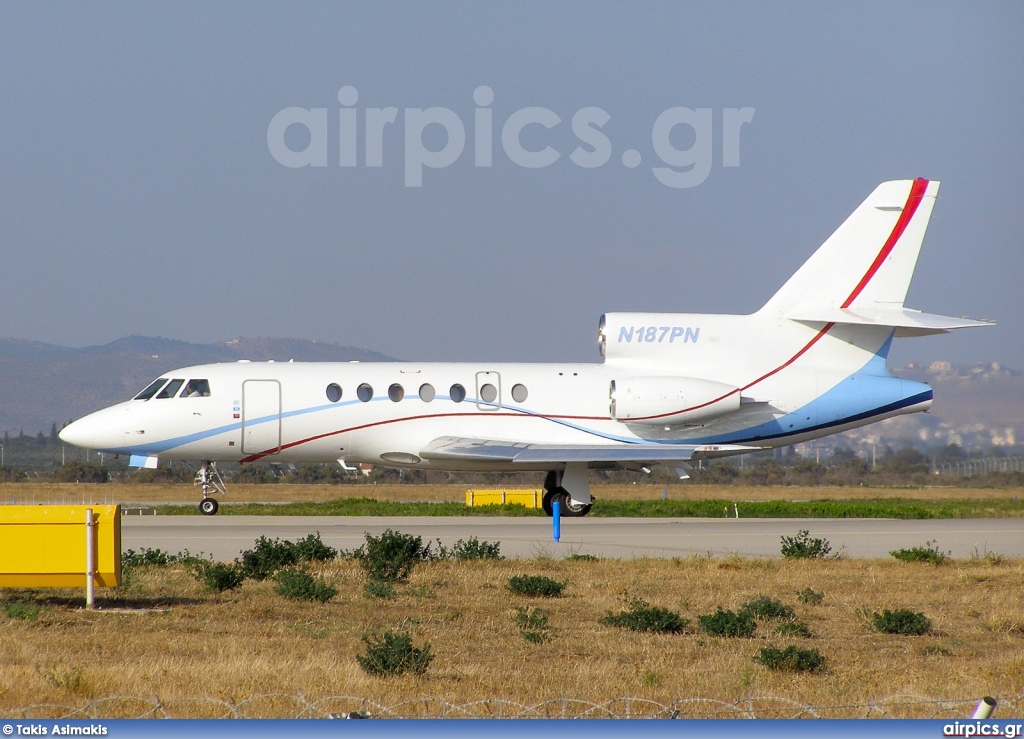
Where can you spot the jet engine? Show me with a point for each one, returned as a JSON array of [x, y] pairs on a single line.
[[671, 401]]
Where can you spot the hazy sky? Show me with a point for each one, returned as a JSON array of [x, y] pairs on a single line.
[[140, 194]]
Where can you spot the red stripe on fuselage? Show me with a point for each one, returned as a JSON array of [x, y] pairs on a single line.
[[269, 452]]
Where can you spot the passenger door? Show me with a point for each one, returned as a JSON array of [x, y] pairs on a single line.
[[261, 417]]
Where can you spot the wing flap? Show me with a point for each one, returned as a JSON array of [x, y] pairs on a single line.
[[452, 448]]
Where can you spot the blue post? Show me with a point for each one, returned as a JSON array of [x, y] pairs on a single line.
[[664, 494], [556, 519]]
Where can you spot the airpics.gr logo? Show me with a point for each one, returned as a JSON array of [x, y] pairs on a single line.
[[678, 168]]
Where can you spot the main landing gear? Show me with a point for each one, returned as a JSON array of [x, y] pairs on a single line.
[[553, 491], [212, 482]]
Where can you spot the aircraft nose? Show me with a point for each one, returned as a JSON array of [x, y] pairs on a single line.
[[77, 433], [100, 431]]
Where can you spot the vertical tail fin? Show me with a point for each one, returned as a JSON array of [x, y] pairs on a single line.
[[870, 259]]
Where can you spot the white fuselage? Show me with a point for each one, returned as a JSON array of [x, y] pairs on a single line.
[[777, 371]]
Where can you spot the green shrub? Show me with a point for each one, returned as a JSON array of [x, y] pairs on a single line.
[[81, 472], [393, 653], [536, 586], [930, 552], [531, 618], [581, 558], [312, 549], [765, 608], [267, 557], [146, 557], [983, 555], [67, 679], [902, 621], [473, 548], [642, 616], [792, 659], [391, 556], [300, 585], [533, 625], [802, 546], [219, 576], [807, 595], [727, 623], [377, 589], [20, 606], [794, 628]]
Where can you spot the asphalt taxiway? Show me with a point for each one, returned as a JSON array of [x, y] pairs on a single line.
[[224, 537]]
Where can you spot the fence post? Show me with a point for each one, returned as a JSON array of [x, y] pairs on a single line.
[[90, 559], [984, 708]]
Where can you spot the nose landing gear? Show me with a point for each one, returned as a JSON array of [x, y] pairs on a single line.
[[212, 482]]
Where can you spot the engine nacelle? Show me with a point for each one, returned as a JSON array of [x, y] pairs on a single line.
[[671, 401]]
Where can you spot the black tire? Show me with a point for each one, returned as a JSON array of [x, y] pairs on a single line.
[[208, 506], [573, 510], [565, 505], [545, 503]]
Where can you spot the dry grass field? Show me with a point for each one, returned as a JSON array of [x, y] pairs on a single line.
[[71, 493], [170, 637]]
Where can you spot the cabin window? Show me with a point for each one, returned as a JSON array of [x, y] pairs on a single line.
[[196, 389], [150, 391], [519, 393], [396, 392], [334, 392], [457, 393], [426, 392], [171, 390], [364, 392], [488, 393]]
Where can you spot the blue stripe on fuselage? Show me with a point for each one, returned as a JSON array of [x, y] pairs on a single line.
[[870, 392]]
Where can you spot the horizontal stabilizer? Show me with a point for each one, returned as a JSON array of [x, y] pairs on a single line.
[[907, 321], [486, 450]]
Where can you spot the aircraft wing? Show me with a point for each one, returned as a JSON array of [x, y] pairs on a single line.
[[489, 450]]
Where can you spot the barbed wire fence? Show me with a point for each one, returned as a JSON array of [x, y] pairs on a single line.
[[985, 465], [297, 705]]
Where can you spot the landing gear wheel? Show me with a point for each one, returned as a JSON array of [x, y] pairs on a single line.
[[570, 509], [211, 482], [565, 505]]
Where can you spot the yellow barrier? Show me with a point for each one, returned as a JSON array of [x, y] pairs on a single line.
[[45, 546], [528, 498]]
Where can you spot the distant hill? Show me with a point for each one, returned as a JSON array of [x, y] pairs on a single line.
[[42, 384]]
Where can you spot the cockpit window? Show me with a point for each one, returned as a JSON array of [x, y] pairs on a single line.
[[170, 390], [196, 389], [150, 391]]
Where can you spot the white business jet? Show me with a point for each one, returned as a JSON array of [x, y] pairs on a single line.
[[673, 388]]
